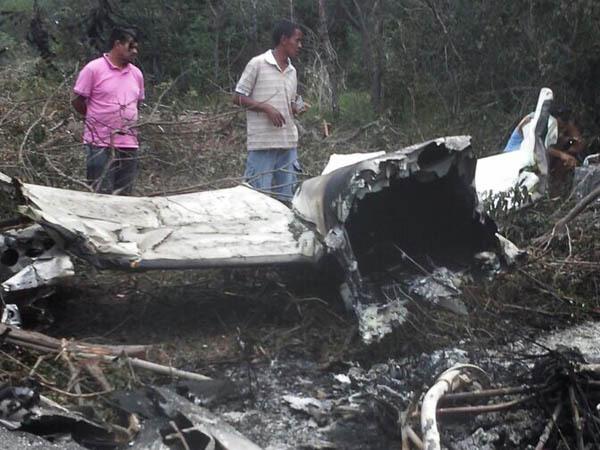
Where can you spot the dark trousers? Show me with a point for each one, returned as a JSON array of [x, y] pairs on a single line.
[[111, 171]]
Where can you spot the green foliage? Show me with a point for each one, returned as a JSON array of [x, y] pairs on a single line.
[[16, 5], [509, 210], [447, 67], [355, 108], [504, 204], [7, 41]]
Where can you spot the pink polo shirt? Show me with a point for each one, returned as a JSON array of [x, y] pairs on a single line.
[[112, 95]]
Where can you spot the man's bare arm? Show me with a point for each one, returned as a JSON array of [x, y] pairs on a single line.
[[274, 115], [566, 159], [79, 104]]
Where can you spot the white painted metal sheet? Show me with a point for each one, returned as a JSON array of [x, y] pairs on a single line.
[[235, 226]]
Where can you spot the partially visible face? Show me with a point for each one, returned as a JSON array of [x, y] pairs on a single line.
[[292, 44], [127, 50]]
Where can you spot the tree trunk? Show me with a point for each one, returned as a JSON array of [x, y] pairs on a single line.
[[370, 26], [219, 20], [377, 68], [330, 58], [254, 26], [99, 19]]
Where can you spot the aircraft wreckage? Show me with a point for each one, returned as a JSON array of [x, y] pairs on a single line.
[[392, 213]]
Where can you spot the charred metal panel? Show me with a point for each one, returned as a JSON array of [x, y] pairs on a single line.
[[30, 259], [409, 209], [420, 199], [326, 200]]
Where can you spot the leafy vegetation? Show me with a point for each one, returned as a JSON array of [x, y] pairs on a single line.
[[417, 69]]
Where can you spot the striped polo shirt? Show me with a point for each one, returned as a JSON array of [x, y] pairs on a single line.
[[264, 81]]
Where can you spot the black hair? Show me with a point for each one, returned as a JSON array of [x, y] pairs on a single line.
[[283, 28], [121, 35], [562, 112]]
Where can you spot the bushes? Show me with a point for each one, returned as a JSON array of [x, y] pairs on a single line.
[[355, 109], [447, 67]]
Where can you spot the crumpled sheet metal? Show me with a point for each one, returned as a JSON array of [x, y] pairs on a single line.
[[44, 270], [239, 226], [6, 183], [21, 270], [170, 405], [26, 420], [523, 168], [342, 160], [587, 177], [326, 200], [227, 227]]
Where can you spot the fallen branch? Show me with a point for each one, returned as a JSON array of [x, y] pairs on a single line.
[[536, 311], [178, 434], [546, 288], [561, 225], [42, 342], [482, 409], [78, 395], [490, 393], [86, 186], [577, 424], [197, 187], [414, 438], [163, 370], [38, 120], [407, 433], [549, 426], [16, 223], [555, 214], [588, 368], [95, 371]]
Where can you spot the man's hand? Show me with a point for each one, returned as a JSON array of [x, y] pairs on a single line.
[[568, 161], [79, 105], [274, 115]]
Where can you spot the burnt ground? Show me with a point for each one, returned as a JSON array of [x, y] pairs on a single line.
[[283, 337]]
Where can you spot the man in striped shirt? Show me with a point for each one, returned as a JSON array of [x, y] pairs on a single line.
[[267, 89]]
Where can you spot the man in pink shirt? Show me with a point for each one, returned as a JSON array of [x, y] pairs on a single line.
[[107, 92]]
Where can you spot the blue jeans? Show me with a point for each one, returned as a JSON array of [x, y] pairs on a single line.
[[273, 171], [514, 142], [111, 172]]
